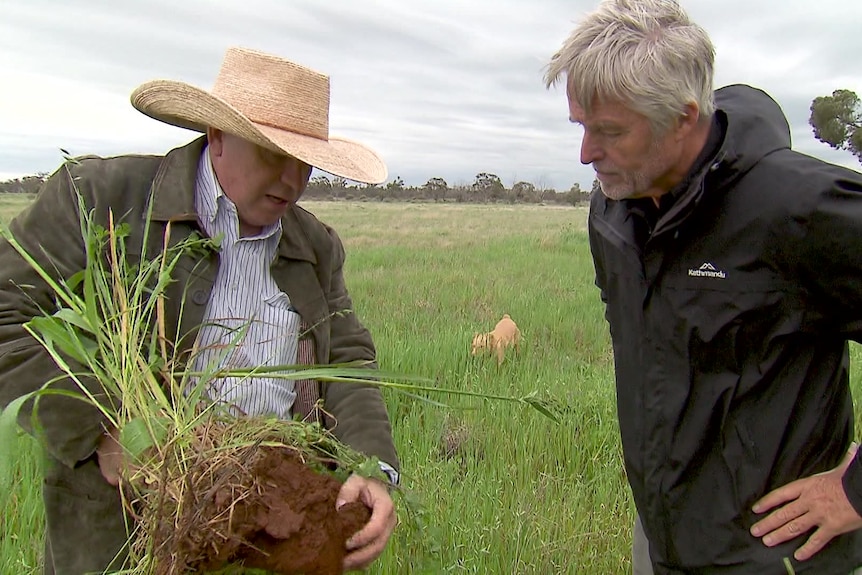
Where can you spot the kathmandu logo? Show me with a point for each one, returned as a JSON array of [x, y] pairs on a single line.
[[707, 270]]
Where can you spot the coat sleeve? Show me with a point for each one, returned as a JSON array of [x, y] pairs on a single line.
[[852, 482], [826, 256], [49, 230], [359, 410], [824, 249]]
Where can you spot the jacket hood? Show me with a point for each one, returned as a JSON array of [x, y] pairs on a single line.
[[756, 127]]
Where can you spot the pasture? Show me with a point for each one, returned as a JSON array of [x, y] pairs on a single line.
[[503, 489], [11, 204]]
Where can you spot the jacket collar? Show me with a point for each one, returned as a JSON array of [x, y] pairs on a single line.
[[173, 193], [294, 242], [173, 188], [679, 202]]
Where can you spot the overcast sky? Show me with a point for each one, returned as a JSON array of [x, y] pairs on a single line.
[[441, 88]]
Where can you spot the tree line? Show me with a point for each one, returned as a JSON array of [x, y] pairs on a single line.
[[485, 188], [836, 120], [25, 185]]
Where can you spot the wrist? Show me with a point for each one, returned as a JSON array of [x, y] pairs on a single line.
[[391, 473]]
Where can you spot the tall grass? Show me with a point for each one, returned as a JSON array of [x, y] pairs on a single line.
[[505, 489], [21, 519], [11, 204], [509, 492]]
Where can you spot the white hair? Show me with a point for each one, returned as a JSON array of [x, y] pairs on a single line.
[[646, 54]]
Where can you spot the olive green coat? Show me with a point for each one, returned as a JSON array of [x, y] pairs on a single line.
[[86, 526]]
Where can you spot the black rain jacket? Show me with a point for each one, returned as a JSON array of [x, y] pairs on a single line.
[[730, 320]]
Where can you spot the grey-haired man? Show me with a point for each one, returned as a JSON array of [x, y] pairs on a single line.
[[731, 272]]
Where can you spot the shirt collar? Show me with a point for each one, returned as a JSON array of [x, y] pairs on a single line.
[[207, 189]]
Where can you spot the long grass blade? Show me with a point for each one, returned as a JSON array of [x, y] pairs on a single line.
[[8, 439]]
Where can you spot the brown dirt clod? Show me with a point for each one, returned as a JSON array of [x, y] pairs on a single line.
[[274, 513]]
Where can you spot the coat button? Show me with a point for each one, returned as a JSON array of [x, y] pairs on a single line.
[[200, 297]]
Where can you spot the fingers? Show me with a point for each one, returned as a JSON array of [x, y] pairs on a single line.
[[815, 543], [382, 520], [789, 492], [783, 525], [815, 505], [349, 491], [793, 491], [796, 527], [364, 556], [109, 454], [370, 541]]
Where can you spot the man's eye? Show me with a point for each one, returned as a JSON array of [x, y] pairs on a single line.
[[271, 158]]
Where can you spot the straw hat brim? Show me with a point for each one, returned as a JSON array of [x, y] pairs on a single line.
[[187, 106]]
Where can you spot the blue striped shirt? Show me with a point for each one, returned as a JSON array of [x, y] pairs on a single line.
[[248, 321]]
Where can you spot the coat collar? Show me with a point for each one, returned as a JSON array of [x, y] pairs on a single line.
[[173, 193], [294, 242]]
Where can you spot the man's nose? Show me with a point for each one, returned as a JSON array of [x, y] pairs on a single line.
[[590, 150], [295, 173]]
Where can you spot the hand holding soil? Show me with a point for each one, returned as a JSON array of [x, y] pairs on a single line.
[[368, 543]]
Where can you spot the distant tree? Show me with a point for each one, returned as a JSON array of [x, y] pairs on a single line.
[[524, 192], [25, 185], [436, 189], [462, 192], [837, 120], [549, 196], [542, 183], [576, 195], [396, 184], [394, 190], [320, 182], [488, 186], [339, 187], [597, 186], [366, 192], [318, 187]]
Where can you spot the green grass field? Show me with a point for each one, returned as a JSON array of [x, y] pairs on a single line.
[[505, 490], [11, 204]]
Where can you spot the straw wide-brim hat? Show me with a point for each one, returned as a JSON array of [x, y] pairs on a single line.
[[269, 101]]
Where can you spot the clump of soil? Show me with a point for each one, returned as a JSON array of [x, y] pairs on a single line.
[[257, 506]]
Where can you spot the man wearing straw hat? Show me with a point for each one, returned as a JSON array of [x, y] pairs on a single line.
[[266, 126]]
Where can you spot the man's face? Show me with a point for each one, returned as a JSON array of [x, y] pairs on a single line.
[[630, 161], [262, 184]]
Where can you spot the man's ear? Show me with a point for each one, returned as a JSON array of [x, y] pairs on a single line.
[[215, 139], [688, 121]]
